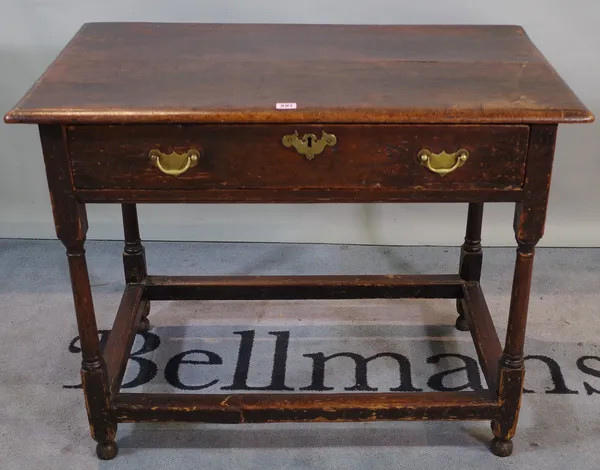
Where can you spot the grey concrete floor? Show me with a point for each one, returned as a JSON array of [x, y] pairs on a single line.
[[43, 425]]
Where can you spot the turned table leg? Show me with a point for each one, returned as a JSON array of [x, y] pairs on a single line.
[[93, 369], [134, 256], [70, 219], [512, 370], [71, 228], [530, 219], [471, 256]]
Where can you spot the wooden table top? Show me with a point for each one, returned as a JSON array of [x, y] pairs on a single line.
[[235, 73]]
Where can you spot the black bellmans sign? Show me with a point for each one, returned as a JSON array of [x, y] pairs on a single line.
[[144, 370]]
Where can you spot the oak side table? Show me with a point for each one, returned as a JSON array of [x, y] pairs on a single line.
[[204, 113]]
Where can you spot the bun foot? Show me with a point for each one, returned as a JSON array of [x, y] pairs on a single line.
[[107, 450], [461, 322], [144, 325], [501, 447]]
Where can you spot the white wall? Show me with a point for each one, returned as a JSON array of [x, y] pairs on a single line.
[[32, 32]]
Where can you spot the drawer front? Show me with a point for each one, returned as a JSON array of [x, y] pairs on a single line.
[[254, 157]]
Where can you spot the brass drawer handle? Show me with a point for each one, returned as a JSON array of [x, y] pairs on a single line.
[[309, 145], [443, 163], [174, 164]]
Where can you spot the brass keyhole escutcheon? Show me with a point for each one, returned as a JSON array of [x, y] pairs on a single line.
[[309, 145]]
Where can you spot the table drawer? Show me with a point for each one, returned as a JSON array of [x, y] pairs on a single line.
[[254, 156]]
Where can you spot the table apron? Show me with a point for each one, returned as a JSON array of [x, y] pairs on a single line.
[[253, 196]]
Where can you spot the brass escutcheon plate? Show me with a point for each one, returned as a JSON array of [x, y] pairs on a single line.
[[309, 145]]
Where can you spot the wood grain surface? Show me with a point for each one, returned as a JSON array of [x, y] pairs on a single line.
[[371, 157], [153, 72]]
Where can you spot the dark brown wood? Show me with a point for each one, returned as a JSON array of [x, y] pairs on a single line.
[[515, 334], [148, 73], [119, 90], [471, 254], [530, 218], [483, 331], [510, 392], [122, 334], [71, 226], [501, 447], [253, 157], [107, 450], [448, 286], [70, 217], [530, 215], [134, 255], [322, 407], [324, 195]]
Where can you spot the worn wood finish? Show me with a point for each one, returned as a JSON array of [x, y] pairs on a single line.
[[471, 256], [515, 334], [447, 286], [483, 331], [149, 73], [253, 157], [323, 407], [510, 392], [70, 219], [530, 214], [119, 90], [122, 334], [324, 196], [134, 255], [530, 219]]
